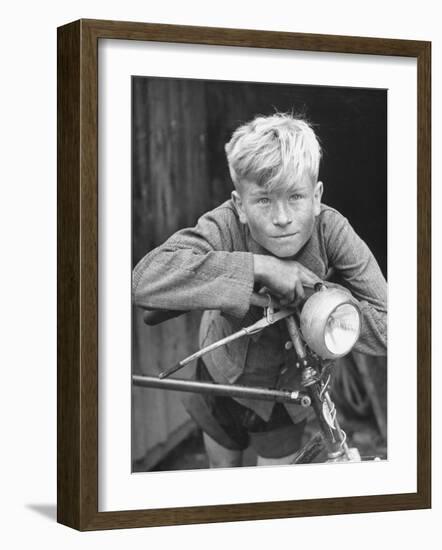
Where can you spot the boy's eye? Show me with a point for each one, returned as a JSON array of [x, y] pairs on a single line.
[[263, 200], [295, 197]]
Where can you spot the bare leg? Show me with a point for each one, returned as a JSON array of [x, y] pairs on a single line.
[[262, 461], [219, 456]]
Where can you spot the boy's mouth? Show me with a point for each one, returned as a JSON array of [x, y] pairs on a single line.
[[284, 236]]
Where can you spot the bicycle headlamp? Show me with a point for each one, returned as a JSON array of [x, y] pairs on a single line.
[[330, 323]]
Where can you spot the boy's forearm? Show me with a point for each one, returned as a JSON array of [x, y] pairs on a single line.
[[182, 280], [373, 337], [203, 267]]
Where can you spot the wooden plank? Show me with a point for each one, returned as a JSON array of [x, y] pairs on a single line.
[[170, 169]]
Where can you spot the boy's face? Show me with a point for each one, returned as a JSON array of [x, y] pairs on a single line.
[[280, 220]]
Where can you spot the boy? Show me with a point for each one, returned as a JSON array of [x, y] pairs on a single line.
[[274, 233]]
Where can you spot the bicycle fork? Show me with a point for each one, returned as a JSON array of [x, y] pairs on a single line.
[[333, 435]]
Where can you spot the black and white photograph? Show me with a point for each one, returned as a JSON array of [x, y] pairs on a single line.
[[259, 274], [220, 237]]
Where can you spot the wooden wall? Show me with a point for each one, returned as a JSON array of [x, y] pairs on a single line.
[[169, 192]]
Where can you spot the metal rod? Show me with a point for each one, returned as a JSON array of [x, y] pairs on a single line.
[[252, 329], [295, 337], [339, 433], [215, 345], [265, 394], [326, 430], [171, 370]]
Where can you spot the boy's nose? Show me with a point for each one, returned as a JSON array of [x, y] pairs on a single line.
[[281, 215]]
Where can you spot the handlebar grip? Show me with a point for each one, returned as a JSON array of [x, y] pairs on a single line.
[[154, 317]]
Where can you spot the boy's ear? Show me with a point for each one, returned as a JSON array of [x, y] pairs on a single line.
[[317, 196], [237, 203]]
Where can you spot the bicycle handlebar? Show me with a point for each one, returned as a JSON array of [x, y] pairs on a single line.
[[154, 317]]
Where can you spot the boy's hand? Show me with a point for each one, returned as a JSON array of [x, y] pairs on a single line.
[[283, 278]]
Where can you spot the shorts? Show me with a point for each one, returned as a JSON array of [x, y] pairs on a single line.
[[237, 427]]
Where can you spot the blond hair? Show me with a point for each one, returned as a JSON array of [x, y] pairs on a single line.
[[274, 151]]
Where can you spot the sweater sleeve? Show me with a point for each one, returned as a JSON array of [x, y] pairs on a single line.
[[360, 273], [198, 268]]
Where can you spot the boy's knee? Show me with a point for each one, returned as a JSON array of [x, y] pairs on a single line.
[[219, 456], [263, 461]]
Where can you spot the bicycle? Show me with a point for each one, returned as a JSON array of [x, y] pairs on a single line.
[[324, 327]]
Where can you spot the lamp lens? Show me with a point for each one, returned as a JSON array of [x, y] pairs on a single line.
[[342, 329]]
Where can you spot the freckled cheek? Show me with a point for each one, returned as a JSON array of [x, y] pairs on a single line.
[[261, 230], [307, 226], [260, 221]]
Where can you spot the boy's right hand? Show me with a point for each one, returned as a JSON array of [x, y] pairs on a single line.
[[283, 278]]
